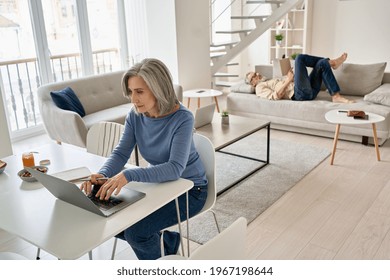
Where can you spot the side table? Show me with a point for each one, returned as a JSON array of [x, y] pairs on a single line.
[[340, 117], [200, 93]]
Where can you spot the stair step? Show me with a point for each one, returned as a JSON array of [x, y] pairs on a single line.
[[217, 54], [224, 84], [265, 2], [225, 75], [217, 49], [223, 44], [234, 31], [232, 64], [249, 17]]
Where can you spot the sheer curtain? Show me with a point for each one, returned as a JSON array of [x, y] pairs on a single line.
[[137, 30]]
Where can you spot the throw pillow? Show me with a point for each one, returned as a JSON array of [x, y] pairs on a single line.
[[242, 87], [358, 79], [380, 96], [66, 99]]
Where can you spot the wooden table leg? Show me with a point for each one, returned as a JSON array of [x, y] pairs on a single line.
[[188, 102], [336, 136], [378, 156], [216, 103], [198, 102]]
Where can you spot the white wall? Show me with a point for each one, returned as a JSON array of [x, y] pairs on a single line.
[[193, 43], [359, 27], [178, 33], [160, 17], [5, 141]]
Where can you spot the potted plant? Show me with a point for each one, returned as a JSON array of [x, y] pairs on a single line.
[[225, 117], [294, 55], [279, 38]]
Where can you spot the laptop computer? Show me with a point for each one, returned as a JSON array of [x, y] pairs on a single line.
[[71, 193], [204, 115]]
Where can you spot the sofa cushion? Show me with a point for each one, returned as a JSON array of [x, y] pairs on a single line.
[[66, 99], [358, 79], [380, 96]]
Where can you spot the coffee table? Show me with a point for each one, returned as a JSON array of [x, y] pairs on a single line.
[[340, 117], [200, 93], [223, 135]]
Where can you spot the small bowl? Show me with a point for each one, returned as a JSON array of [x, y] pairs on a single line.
[[3, 164], [27, 177]]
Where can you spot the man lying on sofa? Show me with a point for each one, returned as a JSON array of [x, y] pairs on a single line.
[[301, 86]]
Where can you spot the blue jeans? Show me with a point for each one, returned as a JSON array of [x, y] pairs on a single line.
[[307, 87], [144, 236]]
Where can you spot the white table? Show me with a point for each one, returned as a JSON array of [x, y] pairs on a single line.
[[340, 117], [200, 93], [29, 211]]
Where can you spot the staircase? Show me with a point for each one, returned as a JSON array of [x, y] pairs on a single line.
[[222, 54]]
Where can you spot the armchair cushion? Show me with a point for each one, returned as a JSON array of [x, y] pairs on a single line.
[[66, 99]]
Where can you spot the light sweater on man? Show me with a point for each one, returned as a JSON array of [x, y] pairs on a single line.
[[268, 89]]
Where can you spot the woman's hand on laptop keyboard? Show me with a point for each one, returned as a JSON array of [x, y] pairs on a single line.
[[113, 184], [87, 185]]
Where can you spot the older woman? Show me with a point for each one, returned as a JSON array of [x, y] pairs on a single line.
[[162, 128]]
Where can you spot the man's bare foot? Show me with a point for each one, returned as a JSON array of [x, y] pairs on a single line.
[[335, 63], [337, 98]]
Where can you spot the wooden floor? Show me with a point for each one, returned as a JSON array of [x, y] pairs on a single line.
[[334, 212]]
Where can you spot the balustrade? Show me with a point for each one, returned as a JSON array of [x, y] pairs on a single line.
[[20, 79]]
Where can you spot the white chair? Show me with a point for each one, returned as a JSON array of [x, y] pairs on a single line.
[[11, 256], [103, 137], [206, 153], [230, 244]]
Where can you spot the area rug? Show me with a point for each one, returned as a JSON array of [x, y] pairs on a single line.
[[289, 163]]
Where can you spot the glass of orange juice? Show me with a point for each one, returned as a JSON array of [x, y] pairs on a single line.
[[28, 159]]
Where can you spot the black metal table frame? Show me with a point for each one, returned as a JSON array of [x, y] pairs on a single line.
[[265, 162]]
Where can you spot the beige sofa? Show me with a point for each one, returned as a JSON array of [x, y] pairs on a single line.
[[102, 99], [368, 85]]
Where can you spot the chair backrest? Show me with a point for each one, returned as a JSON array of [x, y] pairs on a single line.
[[103, 137], [230, 244], [206, 152]]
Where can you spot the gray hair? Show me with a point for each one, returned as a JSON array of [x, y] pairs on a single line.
[[158, 78], [247, 80]]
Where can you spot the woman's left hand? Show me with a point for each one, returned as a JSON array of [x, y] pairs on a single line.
[[113, 184]]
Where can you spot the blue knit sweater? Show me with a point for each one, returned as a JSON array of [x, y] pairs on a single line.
[[165, 143]]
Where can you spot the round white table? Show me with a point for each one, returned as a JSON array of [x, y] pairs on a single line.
[[200, 93], [340, 117]]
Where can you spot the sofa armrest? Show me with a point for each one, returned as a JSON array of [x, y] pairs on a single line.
[[62, 125]]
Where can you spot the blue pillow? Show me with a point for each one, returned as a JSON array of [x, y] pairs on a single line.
[[66, 99]]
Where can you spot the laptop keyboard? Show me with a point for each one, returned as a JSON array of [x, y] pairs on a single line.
[[101, 203]]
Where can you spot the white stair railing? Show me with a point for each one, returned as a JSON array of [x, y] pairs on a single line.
[[248, 36]]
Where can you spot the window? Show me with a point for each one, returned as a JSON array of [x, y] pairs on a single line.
[[19, 71], [82, 38], [103, 22], [62, 39]]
